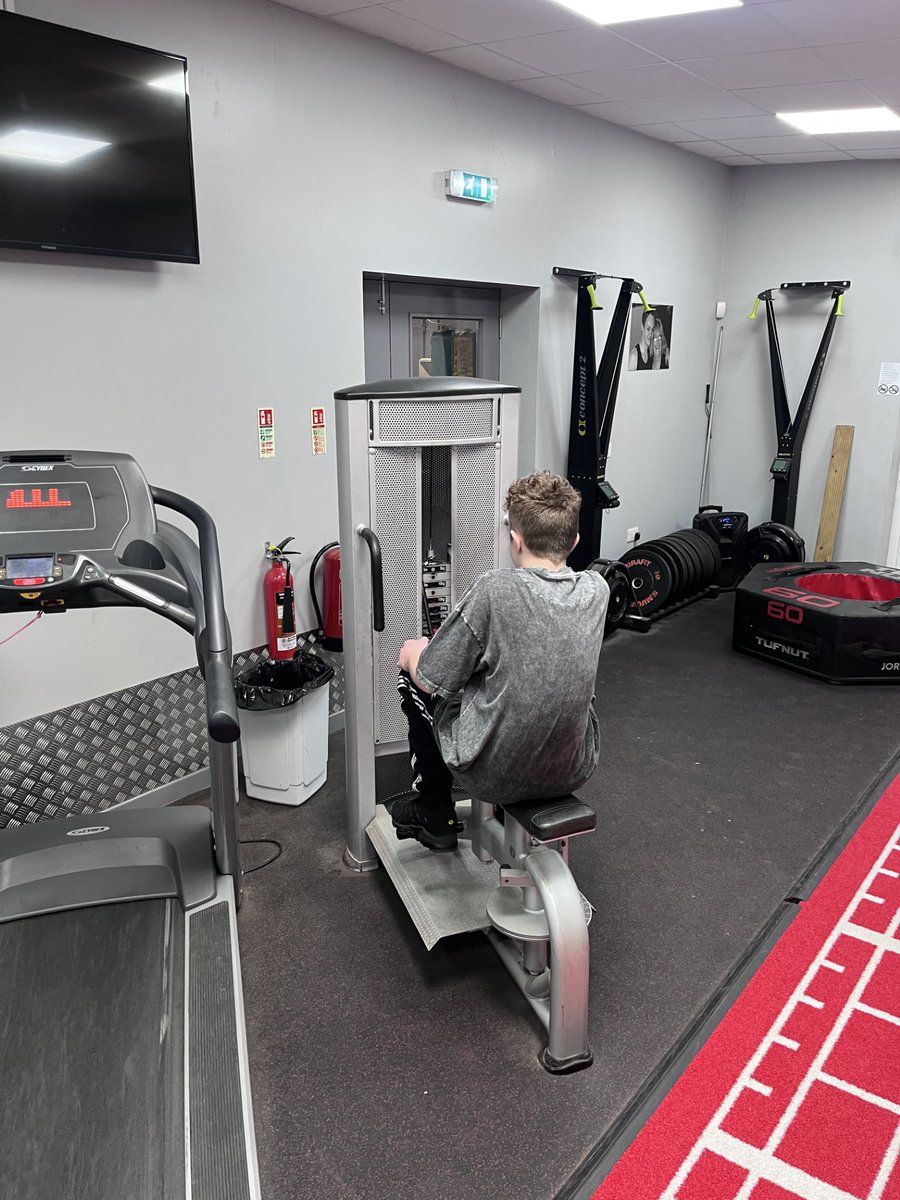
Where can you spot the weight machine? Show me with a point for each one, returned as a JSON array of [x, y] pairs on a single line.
[[423, 468]]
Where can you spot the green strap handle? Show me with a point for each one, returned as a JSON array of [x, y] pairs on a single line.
[[648, 307], [593, 295], [839, 311], [751, 316]]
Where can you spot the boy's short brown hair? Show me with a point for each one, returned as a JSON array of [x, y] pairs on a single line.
[[543, 508]]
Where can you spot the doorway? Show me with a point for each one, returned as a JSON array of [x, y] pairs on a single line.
[[420, 329]]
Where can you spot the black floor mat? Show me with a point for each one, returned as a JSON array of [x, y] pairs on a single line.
[[385, 1072]]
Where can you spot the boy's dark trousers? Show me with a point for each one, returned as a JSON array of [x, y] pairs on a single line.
[[432, 779]]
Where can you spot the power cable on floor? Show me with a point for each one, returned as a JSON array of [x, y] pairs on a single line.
[[260, 842]]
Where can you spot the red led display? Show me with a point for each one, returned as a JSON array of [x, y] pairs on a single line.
[[16, 499]]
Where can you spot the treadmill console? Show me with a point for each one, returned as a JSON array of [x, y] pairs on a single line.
[[67, 518]]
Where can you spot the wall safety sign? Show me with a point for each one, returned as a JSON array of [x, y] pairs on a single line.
[[265, 419], [318, 430]]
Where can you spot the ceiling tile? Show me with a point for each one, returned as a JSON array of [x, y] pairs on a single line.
[[800, 143], [765, 125], [669, 133], [381, 22], [771, 69], [736, 160], [885, 90], [574, 50], [830, 22], [801, 97], [551, 87], [700, 35], [818, 156], [696, 107], [865, 60], [707, 149], [630, 83], [864, 141], [325, 8], [869, 154], [485, 62], [492, 20], [618, 114]]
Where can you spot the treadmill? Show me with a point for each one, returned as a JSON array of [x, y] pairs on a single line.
[[123, 1054]]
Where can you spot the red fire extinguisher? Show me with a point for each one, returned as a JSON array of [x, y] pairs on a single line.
[[331, 620], [278, 591]]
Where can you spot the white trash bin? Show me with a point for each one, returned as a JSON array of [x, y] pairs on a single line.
[[285, 750]]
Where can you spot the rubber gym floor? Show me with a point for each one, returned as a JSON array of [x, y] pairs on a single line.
[[386, 1072]]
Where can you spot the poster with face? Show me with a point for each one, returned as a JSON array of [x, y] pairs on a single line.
[[651, 338]]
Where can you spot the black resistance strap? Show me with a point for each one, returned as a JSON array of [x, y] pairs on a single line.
[[786, 466], [594, 405]]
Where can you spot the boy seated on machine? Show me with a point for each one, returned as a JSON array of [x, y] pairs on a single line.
[[500, 699]]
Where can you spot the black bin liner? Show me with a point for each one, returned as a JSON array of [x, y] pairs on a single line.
[[278, 682]]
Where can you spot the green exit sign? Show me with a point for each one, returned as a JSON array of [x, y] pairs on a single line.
[[463, 185]]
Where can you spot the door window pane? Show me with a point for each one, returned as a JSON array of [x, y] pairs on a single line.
[[444, 346]]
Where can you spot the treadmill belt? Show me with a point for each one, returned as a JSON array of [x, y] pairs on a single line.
[[92, 1054]]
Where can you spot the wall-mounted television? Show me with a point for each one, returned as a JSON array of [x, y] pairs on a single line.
[[95, 145]]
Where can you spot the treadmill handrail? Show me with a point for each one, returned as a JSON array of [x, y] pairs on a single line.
[[213, 648]]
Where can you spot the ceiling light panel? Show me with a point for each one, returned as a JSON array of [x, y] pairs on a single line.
[[612, 12], [846, 120]]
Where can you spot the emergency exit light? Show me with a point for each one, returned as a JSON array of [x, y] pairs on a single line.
[[463, 185]]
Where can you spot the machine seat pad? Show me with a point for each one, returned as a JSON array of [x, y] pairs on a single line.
[[549, 819]]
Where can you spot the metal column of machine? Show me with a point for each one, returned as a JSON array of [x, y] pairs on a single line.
[[124, 1055], [423, 469], [791, 431]]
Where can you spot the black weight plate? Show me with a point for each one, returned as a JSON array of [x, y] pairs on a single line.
[[650, 579], [709, 547], [710, 557], [693, 556], [792, 537], [676, 565], [619, 589], [619, 595], [693, 563], [685, 567], [765, 544]]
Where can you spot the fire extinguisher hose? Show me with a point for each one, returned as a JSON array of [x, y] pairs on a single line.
[[312, 581]]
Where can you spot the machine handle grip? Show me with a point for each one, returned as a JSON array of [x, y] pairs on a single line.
[[751, 316], [222, 706], [648, 307], [371, 539]]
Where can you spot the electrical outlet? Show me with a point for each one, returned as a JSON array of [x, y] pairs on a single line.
[[634, 534]]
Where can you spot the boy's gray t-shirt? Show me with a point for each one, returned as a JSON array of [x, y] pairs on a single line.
[[515, 665]]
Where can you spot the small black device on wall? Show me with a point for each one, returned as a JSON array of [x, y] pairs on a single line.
[[95, 145]]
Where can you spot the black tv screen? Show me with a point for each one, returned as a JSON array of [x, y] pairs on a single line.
[[95, 145]]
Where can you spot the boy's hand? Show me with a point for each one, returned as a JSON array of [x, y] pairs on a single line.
[[409, 654]]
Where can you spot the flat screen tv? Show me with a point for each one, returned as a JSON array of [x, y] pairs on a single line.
[[95, 145]]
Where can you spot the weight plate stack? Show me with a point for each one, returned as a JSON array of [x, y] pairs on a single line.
[[650, 576], [772, 542], [619, 590], [707, 550]]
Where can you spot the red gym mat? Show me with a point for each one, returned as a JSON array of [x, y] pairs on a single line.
[[796, 1095]]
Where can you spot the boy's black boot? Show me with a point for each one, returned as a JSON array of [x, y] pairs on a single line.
[[434, 824]]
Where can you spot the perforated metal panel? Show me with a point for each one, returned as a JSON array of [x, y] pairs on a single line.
[[414, 422], [395, 482], [476, 513]]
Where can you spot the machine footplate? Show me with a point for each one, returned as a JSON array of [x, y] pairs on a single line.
[[443, 893]]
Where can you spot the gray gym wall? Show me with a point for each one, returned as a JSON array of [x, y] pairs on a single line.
[[833, 220], [319, 155]]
